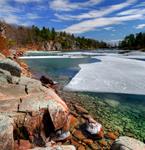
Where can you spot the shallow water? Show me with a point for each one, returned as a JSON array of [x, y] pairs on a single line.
[[123, 113], [61, 70]]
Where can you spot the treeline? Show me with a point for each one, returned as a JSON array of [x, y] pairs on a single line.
[[133, 41], [47, 39]]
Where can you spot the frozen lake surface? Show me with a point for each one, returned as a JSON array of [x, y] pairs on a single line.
[[111, 75]]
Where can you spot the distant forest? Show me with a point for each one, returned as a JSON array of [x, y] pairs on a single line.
[[133, 42], [47, 39]]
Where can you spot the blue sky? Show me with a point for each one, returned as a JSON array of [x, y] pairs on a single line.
[[108, 20]]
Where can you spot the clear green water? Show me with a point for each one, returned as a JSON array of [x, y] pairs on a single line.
[[117, 112]]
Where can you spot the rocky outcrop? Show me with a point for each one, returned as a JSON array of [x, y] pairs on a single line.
[[51, 46], [127, 143], [29, 111]]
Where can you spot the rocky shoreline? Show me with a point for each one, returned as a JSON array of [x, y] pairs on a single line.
[[33, 116]]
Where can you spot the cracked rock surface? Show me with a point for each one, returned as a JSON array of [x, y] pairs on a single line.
[[28, 110]]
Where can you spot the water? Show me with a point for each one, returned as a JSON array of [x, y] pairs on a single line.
[[61, 70], [122, 113]]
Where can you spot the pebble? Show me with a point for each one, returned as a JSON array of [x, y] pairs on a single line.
[[88, 141], [111, 135], [103, 142], [81, 147], [79, 135]]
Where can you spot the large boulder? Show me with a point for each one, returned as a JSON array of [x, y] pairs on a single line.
[[18, 97], [37, 111], [127, 143], [11, 66], [6, 133]]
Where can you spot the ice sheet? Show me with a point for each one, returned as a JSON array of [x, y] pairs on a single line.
[[111, 75]]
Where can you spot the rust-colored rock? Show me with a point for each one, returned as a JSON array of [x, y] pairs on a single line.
[[22, 145], [40, 107], [88, 141], [94, 128], [95, 146], [103, 142], [79, 135], [81, 147], [111, 135], [32, 123], [100, 134], [75, 143], [73, 121]]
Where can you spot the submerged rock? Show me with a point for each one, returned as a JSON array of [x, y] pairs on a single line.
[[81, 109], [127, 143], [111, 135], [93, 127]]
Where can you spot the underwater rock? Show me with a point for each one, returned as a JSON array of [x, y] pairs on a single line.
[[127, 143], [81, 109], [81, 147], [103, 142], [111, 135], [79, 135], [112, 103], [88, 141], [93, 127]]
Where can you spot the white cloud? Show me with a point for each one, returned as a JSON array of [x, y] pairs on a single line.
[[142, 4], [27, 1], [132, 12], [128, 12], [96, 13], [108, 28], [32, 16], [12, 19], [16, 15], [140, 26], [92, 24], [66, 5], [115, 41]]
